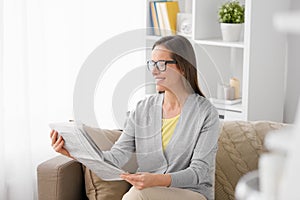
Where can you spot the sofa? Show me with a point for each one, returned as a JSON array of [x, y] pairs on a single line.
[[240, 144]]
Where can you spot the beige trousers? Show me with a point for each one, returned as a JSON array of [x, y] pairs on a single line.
[[162, 193]]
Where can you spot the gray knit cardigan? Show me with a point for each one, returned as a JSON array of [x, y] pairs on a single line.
[[190, 155]]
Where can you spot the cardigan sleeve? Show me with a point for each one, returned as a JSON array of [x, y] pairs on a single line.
[[122, 150], [202, 164]]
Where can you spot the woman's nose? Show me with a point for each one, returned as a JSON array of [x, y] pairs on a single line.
[[155, 71]]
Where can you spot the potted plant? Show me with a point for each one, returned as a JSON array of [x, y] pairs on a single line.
[[231, 18]]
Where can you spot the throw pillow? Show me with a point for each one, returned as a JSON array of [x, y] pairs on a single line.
[[240, 145], [96, 188]]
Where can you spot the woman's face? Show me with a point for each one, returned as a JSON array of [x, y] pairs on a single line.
[[170, 78]]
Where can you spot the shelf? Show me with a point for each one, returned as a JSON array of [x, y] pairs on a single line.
[[211, 42], [234, 108], [288, 22], [250, 60], [220, 42], [225, 102]]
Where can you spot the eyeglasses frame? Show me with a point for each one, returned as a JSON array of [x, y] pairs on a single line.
[[166, 62]]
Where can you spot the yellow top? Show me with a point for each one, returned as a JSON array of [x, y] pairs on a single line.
[[167, 130]]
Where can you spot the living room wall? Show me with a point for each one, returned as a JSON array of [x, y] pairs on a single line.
[[292, 74]]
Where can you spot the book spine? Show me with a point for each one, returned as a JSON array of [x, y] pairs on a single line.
[[160, 18], [154, 18], [164, 11], [151, 25], [172, 10]]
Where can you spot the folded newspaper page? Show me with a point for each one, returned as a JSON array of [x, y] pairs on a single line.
[[83, 148]]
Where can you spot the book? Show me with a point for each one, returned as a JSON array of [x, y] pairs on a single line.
[[170, 10], [82, 147], [150, 31], [160, 17], [154, 18], [166, 16]]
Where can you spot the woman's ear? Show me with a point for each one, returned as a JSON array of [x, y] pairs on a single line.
[[182, 72]]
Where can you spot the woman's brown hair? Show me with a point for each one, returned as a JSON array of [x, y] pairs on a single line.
[[183, 52]]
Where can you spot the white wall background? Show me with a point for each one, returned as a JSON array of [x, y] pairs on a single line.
[[293, 73], [43, 45], [72, 30]]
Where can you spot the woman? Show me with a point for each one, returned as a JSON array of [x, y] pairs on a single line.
[[174, 133]]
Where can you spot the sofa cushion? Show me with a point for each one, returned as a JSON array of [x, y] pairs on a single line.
[[96, 188], [240, 145]]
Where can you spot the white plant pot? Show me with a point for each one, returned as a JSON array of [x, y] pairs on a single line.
[[231, 32]]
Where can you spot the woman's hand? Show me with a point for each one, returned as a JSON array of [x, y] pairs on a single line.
[[145, 180], [58, 144]]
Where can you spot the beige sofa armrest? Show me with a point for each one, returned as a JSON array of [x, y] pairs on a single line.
[[60, 178]]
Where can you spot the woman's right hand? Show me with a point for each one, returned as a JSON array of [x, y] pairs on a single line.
[[58, 144]]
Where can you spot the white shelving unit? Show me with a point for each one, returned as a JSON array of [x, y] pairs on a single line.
[[258, 60]]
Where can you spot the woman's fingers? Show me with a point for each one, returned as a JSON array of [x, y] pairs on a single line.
[[139, 180], [59, 145], [54, 142], [133, 177], [53, 135]]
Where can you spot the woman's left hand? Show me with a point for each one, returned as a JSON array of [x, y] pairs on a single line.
[[140, 180], [145, 180]]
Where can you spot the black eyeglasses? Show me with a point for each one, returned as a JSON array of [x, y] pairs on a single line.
[[161, 65]]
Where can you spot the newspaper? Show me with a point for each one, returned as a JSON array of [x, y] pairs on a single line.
[[82, 147]]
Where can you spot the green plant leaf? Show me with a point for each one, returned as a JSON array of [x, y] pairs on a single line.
[[231, 12]]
